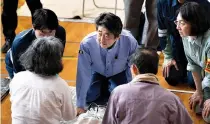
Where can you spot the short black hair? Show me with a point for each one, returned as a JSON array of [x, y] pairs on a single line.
[[44, 56], [196, 16], [146, 60], [44, 19], [111, 22]]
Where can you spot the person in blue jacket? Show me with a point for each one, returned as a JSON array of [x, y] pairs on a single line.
[[45, 23], [103, 61]]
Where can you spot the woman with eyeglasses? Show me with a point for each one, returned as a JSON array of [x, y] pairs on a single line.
[[194, 28]]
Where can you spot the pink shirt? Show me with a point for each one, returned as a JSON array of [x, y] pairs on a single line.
[[144, 101]]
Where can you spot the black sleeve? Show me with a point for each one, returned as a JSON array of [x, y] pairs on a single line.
[[61, 34], [20, 44]]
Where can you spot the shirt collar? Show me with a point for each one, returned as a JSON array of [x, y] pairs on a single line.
[[197, 41], [146, 78]]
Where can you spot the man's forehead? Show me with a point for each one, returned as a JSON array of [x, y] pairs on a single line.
[[103, 29], [46, 30]]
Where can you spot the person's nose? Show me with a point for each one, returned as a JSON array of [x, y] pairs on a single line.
[[178, 27], [103, 38]]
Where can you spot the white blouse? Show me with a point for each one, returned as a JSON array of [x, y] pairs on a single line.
[[37, 99]]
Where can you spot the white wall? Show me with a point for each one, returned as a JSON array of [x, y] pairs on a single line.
[[70, 8]]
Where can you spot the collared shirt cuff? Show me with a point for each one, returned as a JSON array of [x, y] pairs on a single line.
[[167, 57], [193, 68], [81, 103], [167, 54]]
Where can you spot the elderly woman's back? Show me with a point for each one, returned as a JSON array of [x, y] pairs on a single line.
[[39, 95]]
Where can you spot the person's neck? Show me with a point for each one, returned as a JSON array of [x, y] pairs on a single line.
[[111, 46], [149, 77]]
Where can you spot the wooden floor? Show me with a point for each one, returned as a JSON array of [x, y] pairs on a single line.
[[75, 33]]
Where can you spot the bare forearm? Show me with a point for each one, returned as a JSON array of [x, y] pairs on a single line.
[[197, 79]]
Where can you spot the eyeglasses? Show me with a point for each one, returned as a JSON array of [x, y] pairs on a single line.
[[180, 22]]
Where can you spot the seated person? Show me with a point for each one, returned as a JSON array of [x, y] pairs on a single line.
[[103, 61], [45, 23], [143, 100], [39, 95], [194, 28]]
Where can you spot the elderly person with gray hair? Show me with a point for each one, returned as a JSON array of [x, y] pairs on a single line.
[[39, 95]]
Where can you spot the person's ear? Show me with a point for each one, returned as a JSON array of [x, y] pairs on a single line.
[[33, 27], [134, 70], [117, 38]]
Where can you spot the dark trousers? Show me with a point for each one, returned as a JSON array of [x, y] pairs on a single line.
[[9, 15], [181, 75], [102, 86], [133, 21]]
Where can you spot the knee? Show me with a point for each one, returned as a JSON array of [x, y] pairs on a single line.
[[171, 81], [175, 76]]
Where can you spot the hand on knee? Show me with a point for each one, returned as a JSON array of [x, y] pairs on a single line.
[[206, 110]]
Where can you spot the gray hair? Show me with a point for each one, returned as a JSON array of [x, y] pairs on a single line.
[[44, 56]]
